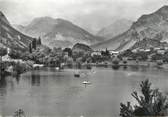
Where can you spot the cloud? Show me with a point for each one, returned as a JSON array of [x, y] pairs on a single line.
[[90, 14]]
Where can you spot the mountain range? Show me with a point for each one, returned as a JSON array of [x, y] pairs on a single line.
[[10, 37], [150, 30], [152, 27], [58, 32]]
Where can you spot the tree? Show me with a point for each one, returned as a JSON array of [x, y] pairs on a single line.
[[157, 57], [165, 57], [15, 54], [69, 50], [3, 51], [30, 48], [107, 53], [25, 56], [151, 103], [46, 50], [127, 53], [140, 56], [39, 41], [34, 44]]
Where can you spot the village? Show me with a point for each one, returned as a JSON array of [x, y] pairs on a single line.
[[83, 56]]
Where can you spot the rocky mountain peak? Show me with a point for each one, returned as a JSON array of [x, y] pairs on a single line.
[[152, 19]]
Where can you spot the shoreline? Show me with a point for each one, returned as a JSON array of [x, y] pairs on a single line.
[[88, 66]]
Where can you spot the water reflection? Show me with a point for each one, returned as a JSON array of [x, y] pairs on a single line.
[[3, 85], [125, 67], [35, 79], [17, 79], [134, 68]]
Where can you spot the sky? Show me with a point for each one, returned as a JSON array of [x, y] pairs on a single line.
[[91, 15]]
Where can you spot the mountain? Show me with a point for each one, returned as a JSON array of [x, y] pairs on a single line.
[[152, 26], [59, 32], [18, 27], [116, 28], [10, 37]]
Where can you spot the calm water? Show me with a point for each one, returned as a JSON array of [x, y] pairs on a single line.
[[59, 94]]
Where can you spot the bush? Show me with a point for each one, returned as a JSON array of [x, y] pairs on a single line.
[[151, 103], [20, 68]]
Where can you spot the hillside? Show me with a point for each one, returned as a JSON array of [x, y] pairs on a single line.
[[81, 47], [10, 37], [59, 32], [116, 28], [153, 26]]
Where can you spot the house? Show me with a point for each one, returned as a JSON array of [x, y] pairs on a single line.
[[166, 48], [135, 50], [157, 48], [161, 51], [114, 52], [6, 58], [96, 53], [141, 50], [147, 50]]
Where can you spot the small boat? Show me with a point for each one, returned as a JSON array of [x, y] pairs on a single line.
[[57, 68], [86, 82]]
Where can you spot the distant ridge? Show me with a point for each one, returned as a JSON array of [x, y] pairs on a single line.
[[59, 32]]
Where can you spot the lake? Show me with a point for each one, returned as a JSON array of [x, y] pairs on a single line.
[[52, 93]]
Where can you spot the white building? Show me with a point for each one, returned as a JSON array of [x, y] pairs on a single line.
[[114, 52], [96, 53]]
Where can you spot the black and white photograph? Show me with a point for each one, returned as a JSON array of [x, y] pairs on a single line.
[[83, 58]]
